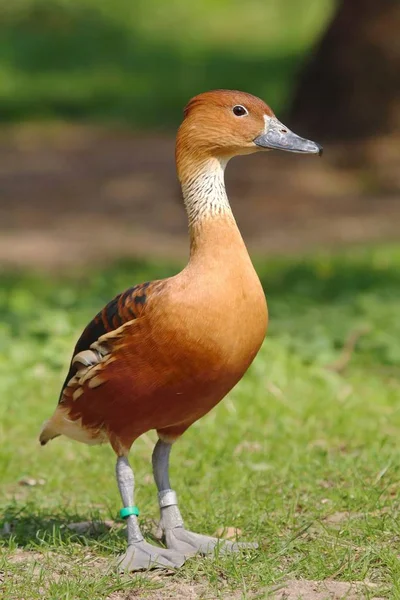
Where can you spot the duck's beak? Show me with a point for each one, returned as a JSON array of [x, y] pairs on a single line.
[[277, 136]]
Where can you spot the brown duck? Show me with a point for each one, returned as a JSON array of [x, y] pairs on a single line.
[[164, 353]]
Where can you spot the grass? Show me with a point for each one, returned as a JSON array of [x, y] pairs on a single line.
[[299, 457], [140, 62]]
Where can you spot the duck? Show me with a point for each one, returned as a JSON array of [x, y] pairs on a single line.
[[163, 353]]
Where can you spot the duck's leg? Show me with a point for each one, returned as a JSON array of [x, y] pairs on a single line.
[[139, 554], [171, 522]]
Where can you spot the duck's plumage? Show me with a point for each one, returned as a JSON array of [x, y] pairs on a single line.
[[163, 353], [123, 308]]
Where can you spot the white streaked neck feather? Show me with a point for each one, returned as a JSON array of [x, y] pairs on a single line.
[[204, 191]]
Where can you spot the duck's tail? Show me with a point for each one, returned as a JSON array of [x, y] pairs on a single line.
[[48, 432]]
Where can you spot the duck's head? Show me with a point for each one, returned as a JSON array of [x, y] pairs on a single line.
[[226, 123]]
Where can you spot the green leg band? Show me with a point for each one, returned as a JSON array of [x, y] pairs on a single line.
[[127, 511]]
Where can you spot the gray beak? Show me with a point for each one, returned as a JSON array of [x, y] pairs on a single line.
[[278, 137]]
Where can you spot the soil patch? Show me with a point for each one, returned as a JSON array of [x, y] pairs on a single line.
[[74, 195]]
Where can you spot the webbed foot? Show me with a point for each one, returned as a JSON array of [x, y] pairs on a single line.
[[189, 543], [142, 555]]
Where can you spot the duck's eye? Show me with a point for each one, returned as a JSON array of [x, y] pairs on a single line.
[[239, 110]]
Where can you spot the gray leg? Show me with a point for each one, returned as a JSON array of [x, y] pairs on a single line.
[[139, 554], [171, 522]]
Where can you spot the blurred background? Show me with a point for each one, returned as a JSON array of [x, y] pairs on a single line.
[[91, 95], [92, 91]]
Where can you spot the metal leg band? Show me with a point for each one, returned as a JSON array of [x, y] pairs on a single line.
[[167, 498]]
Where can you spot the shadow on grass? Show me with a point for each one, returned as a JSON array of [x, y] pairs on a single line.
[[27, 527], [319, 280], [329, 279]]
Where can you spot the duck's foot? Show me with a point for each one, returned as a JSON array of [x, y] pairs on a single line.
[[189, 543], [142, 555]]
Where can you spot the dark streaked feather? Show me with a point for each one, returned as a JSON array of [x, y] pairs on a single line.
[[121, 309]]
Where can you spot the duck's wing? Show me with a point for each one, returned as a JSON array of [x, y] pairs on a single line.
[[123, 308]]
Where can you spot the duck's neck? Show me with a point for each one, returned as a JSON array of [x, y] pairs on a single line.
[[204, 192], [214, 235]]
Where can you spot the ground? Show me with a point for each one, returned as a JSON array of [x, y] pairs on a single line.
[[302, 456]]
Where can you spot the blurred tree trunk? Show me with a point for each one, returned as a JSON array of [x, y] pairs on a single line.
[[350, 88]]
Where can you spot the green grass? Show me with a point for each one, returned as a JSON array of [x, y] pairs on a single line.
[[303, 459], [139, 62]]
